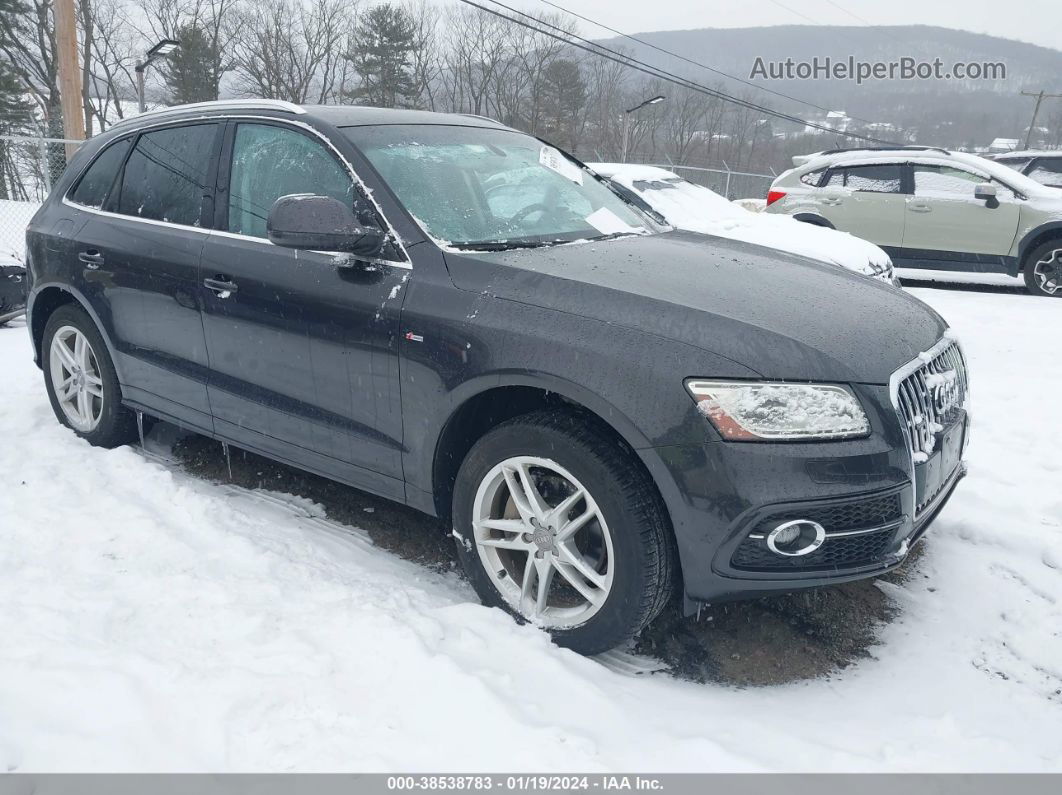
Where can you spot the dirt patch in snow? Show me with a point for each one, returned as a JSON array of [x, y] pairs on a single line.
[[767, 641]]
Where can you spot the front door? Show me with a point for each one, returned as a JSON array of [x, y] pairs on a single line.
[[303, 345], [948, 226]]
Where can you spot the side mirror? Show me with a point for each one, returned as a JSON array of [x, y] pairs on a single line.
[[985, 191], [320, 223]]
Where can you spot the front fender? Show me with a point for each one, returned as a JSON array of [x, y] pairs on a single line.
[[1031, 239]]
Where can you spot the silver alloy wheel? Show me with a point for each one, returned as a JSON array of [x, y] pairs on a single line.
[[76, 378], [532, 520], [1048, 272]]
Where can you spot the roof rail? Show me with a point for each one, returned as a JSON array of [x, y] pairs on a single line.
[[478, 116], [909, 147], [222, 104]]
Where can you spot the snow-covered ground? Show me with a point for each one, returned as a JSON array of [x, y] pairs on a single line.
[[151, 620]]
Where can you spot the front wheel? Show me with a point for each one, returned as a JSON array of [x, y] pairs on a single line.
[[557, 524], [81, 380], [1043, 270]]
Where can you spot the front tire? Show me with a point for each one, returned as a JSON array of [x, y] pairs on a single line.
[[81, 380], [1043, 270], [557, 524]]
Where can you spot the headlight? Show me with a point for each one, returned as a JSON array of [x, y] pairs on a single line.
[[744, 411]]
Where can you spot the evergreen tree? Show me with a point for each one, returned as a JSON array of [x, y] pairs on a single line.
[[193, 71], [383, 43], [565, 90]]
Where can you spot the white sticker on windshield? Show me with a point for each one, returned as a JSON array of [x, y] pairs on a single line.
[[608, 223], [553, 159]]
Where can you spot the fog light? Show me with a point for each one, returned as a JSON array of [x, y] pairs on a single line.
[[795, 538]]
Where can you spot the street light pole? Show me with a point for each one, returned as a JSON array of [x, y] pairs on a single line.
[[627, 120], [162, 48]]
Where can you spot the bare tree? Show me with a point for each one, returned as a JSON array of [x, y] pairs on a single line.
[[476, 49], [110, 46], [292, 51], [426, 64]]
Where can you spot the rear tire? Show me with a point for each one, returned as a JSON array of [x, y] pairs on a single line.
[[604, 581], [1043, 270], [81, 380]]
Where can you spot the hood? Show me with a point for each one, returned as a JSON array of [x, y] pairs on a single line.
[[781, 315]]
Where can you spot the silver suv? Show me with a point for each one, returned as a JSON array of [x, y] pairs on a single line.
[[931, 208], [1044, 167]]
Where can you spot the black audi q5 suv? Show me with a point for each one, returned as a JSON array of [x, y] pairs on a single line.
[[611, 415]]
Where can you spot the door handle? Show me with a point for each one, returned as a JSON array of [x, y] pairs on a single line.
[[92, 258], [833, 202], [220, 286], [919, 208]]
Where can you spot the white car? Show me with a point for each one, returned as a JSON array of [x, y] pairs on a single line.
[[698, 209]]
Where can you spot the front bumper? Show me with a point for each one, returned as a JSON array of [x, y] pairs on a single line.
[[863, 492]]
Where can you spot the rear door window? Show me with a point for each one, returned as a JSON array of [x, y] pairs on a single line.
[[95, 184], [167, 174], [885, 178]]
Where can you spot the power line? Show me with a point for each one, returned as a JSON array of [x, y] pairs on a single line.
[[653, 71], [798, 13], [645, 43], [852, 14]]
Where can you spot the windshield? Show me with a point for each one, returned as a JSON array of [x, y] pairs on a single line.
[[476, 187]]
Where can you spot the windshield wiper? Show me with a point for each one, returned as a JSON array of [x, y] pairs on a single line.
[[503, 245], [614, 235]]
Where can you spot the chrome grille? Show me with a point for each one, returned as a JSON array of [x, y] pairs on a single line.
[[929, 395]]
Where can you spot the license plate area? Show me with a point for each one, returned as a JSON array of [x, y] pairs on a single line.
[[932, 475]]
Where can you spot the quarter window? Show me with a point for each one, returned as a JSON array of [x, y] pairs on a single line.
[[96, 182], [166, 175], [268, 162], [812, 178]]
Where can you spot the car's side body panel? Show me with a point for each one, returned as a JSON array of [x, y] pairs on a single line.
[[940, 232]]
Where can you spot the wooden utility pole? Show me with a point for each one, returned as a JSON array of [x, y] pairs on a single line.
[[69, 73], [1040, 97]]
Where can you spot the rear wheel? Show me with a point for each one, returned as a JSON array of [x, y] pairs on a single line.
[[81, 380], [558, 525], [1043, 270]]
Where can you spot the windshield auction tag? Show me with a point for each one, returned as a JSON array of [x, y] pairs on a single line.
[[552, 159], [608, 223]]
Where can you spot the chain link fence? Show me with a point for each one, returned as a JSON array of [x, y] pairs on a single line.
[[29, 166], [732, 184], [724, 181]]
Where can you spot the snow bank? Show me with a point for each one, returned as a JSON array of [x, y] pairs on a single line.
[[698, 209], [153, 621]]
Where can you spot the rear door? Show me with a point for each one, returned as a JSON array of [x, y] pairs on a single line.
[[866, 200], [947, 223], [303, 345], [139, 252]]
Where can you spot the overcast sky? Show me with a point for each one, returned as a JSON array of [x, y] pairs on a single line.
[[1036, 21]]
